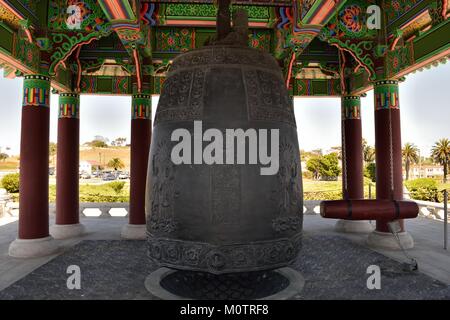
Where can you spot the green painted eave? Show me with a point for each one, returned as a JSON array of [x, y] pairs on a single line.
[[38, 17], [432, 42], [419, 8]]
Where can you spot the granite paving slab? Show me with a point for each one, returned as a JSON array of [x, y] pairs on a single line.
[[333, 268]]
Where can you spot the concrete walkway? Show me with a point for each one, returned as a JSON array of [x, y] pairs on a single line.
[[433, 260], [13, 269], [428, 235]]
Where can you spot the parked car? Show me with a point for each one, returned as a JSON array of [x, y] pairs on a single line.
[[85, 175], [109, 177], [123, 175], [96, 174]]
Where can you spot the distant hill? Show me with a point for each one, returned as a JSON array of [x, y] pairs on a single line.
[[86, 154], [10, 164], [103, 155]]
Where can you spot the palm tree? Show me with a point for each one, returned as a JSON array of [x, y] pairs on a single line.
[[410, 154], [116, 163], [368, 152], [52, 152], [441, 154], [3, 156]]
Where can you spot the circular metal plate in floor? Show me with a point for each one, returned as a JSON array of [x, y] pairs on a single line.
[[170, 284]]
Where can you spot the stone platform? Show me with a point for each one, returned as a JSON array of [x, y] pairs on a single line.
[[333, 268]]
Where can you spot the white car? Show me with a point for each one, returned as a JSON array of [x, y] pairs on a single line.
[[85, 176], [123, 175]]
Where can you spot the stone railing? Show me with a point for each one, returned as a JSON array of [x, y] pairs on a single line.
[[432, 210], [427, 209], [87, 209], [100, 209], [4, 200], [11, 209], [311, 206], [104, 209], [115, 209]]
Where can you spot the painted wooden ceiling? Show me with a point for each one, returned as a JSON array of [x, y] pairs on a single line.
[[324, 47]]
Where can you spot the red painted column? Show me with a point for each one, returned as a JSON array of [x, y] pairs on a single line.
[[140, 147], [33, 238], [34, 157], [388, 145], [67, 184], [352, 153], [352, 161], [67, 167], [388, 158]]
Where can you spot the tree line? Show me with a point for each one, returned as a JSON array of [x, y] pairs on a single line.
[[325, 167], [440, 154]]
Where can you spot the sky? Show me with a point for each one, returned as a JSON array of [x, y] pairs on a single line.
[[424, 107], [424, 111]]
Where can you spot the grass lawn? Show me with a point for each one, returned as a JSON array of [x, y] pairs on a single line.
[[329, 190], [321, 186], [95, 193]]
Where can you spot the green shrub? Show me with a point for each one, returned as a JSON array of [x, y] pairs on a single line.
[[109, 192], [117, 186], [313, 166], [370, 171], [10, 182], [329, 169], [324, 167], [101, 197], [423, 189]]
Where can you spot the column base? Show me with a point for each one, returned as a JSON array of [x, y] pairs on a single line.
[[353, 226], [386, 240], [134, 231], [33, 248], [66, 231]]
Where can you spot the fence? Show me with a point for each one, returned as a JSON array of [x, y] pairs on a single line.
[[87, 209], [4, 201]]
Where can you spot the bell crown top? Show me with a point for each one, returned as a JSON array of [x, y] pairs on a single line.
[[235, 33]]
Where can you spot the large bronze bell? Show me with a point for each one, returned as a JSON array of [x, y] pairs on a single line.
[[223, 218]]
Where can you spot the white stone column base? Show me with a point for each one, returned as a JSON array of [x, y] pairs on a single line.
[[66, 231], [386, 240], [33, 248], [353, 226], [134, 231]]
